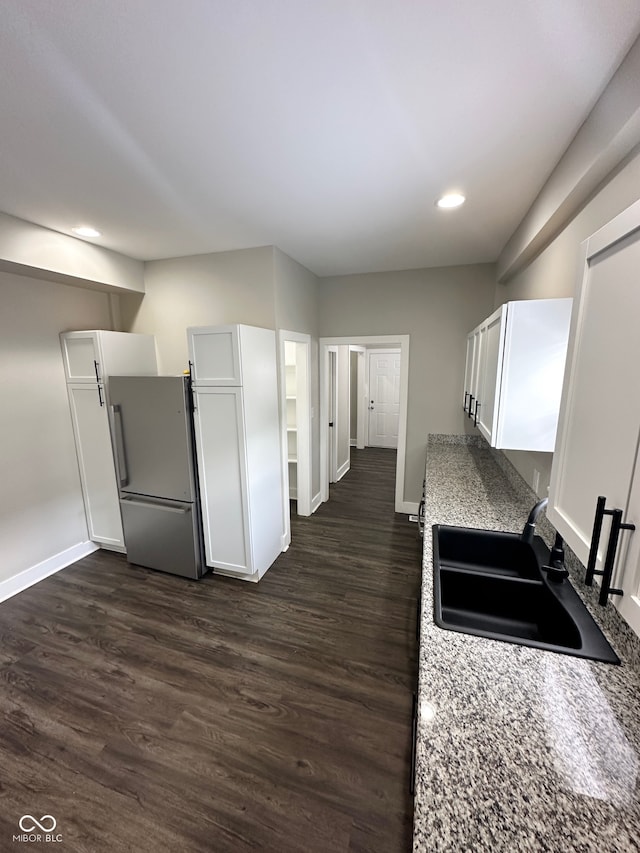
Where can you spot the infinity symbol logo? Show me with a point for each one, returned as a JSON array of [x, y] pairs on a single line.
[[42, 824]]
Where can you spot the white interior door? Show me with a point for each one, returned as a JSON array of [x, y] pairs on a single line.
[[384, 397]]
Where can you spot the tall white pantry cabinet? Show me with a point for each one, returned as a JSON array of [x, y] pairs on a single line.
[[89, 358], [236, 416]]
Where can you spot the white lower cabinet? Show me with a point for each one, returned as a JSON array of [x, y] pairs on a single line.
[[514, 370], [95, 461], [599, 432], [222, 469]]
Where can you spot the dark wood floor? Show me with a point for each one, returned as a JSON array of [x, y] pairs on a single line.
[[150, 713]]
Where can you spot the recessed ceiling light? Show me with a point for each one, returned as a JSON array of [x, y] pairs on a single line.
[[86, 231], [451, 200]]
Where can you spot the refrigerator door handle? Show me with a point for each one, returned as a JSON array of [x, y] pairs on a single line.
[[118, 440], [182, 510]]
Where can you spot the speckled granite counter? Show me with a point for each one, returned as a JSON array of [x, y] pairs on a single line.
[[518, 749]]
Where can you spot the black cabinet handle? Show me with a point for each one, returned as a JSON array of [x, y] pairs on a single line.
[[595, 539], [475, 414], [100, 395], [471, 399], [616, 526], [612, 546], [464, 407], [95, 367]]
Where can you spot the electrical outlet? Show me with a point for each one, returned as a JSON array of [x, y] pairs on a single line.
[[536, 480]]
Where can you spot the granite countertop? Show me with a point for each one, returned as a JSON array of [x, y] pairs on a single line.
[[518, 749]]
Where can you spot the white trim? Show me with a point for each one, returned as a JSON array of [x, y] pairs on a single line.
[[342, 470], [618, 228], [23, 580], [408, 508], [391, 341], [353, 442], [315, 502]]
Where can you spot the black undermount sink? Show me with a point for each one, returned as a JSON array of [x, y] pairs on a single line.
[[492, 584]]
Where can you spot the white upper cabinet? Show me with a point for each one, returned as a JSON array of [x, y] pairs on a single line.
[[515, 373], [214, 354], [91, 356], [597, 449]]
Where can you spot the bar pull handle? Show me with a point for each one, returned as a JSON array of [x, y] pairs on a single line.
[[616, 526], [595, 539], [95, 367], [464, 406], [100, 395], [475, 414], [471, 399], [118, 439], [192, 370], [612, 546]]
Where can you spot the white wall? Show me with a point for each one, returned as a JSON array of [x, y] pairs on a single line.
[[200, 290], [437, 308], [41, 507]]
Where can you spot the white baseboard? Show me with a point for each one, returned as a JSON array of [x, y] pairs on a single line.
[[342, 470], [316, 500], [408, 507], [353, 442], [23, 580]]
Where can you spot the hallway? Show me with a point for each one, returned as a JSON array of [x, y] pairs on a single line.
[[149, 713]]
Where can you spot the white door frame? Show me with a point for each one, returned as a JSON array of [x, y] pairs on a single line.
[[332, 432], [303, 410], [361, 397], [385, 341]]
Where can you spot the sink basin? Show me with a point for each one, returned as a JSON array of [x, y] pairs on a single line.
[[491, 584]]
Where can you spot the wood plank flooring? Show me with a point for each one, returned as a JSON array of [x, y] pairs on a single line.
[[146, 712]]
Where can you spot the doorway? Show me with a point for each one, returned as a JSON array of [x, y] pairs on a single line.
[[397, 342], [295, 418]]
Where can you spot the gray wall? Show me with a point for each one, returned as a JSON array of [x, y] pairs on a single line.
[[296, 310], [353, 396], [41, 507], [437, 308], [555, 273], [200, 290]]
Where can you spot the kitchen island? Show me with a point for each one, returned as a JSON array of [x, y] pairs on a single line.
[[518, 749]]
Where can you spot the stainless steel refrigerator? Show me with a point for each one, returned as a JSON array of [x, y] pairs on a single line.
[[152, 428]]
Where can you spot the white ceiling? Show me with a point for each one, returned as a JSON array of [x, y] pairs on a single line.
[[325, 127]]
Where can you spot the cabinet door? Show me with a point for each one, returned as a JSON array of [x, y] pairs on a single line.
[[468, 371], [214, 353], [219, 424], [95, 461], [600, 416], [491, 348], [81, 356]]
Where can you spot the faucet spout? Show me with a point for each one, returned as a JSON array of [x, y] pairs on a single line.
[[530, 526]]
